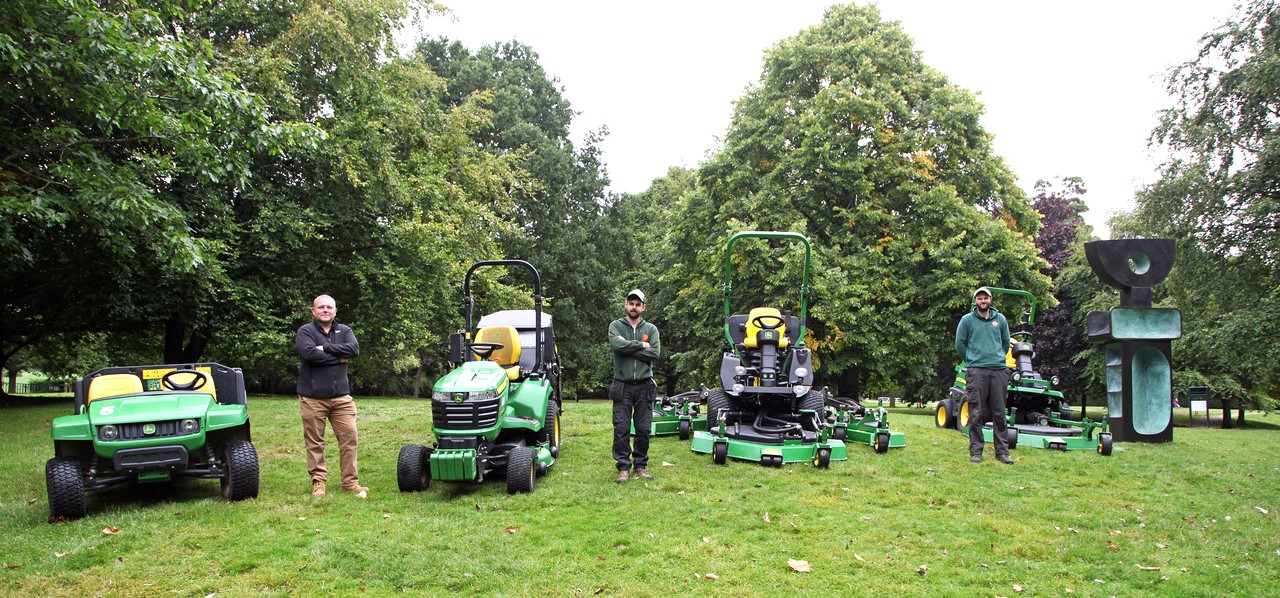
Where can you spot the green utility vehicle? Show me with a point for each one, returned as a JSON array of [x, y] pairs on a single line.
[[148, 424], [499, 409], [1037, 414], [766, 409]]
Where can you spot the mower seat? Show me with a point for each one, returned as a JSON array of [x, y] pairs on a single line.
[[778, 337], [509, 355], [113, 385]]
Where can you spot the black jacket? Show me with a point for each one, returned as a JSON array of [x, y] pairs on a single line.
[[323, 374]]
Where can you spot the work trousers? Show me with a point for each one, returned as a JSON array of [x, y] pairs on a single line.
[[341, 413], [987, 389], [632, 404]]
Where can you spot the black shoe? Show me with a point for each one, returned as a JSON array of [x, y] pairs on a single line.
[[976, 458], [1005, 459]]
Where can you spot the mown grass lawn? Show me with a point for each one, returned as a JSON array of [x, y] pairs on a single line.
[[1196, 517]]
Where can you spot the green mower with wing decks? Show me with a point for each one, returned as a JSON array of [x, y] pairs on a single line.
[[766, 409], [150, 424], [680, 414], [1038, 415], [498, 410], [851, 421]]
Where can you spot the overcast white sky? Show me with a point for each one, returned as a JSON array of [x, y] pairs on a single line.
[[1070, 88]]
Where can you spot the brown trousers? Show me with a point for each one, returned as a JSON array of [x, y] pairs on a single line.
[[341, 412]]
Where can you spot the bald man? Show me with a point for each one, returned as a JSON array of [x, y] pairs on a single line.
[[325, 394]]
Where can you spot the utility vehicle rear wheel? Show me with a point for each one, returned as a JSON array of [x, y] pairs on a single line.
[[413, 468], [66, 488], [521, 469], [240, 481]]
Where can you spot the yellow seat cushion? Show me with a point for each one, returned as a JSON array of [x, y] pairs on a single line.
[[509, 355], [111, 385], [750, 339]]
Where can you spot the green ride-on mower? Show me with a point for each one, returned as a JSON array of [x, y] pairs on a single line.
[[149, 424], [498, 410], [850, 421], [1037, 414], [766, 409], [678, 414]]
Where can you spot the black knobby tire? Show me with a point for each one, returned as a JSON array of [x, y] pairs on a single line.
[[66, 488], [944, 417], [240, 478], [685, 429], [1012, 435], [822, 460], [813, 401], [882, 442], [720, 453], [413, 468], [840, 433], [1104, 444], [715, 402], [550, 432], [521, 469]]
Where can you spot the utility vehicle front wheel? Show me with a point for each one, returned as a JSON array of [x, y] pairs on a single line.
[[66, 488], [521, 469], [240, 480], [413, 468]]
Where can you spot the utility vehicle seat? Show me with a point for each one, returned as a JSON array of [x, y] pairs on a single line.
[[509, 355], [112, 385]]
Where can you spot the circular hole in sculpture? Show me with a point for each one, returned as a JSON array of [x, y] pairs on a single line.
[[1139, 263]]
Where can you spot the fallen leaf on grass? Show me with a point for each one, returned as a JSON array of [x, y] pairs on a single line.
[[766, 517], [712, 576], [60, 554], [1017, 588], [985, 566], [302, 519], [58, 519], [13, 565], [857, 556], [1147, 568], [119, 560], [512, 529], [31, 501], [110, 531], [799, 566], [922, 569], [665, 464], [1261, 510], [386, 515], [706, 540]]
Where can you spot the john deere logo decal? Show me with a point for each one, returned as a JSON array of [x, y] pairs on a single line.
[[148, 429], [768, 334], [459, 397]]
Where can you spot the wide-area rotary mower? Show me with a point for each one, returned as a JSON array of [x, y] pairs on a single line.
[[679, 414], [498, 410], [1038, 415], [149, 424], [766, 409]]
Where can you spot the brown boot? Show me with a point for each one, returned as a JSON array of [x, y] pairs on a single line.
[[642, 474], [624, 476], [317, 489]]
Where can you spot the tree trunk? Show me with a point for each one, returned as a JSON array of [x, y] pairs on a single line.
[[1240, 417], [1226, 414], [13, 383], [851, 383], [175, 351]]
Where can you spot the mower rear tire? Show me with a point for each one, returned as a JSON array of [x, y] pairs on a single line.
[[822, 459], [66, 488], [962, 416], [240, 481], [685, 428], [944, 417], [550, 433], [720, 453], [1104, 444], [413, 468], [521, 469]]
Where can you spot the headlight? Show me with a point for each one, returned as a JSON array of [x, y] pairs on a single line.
[[439, 396], [1054, 380], [188, 426], [737, 388], [739, 371], [484, 395], [108, 432], [1017, 376], [802, 372], [801, 390]]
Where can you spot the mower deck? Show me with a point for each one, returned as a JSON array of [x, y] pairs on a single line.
[[722, 448]]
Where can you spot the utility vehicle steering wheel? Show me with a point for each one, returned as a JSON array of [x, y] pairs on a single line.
[[759, 321], [484, 350], [198, 380]]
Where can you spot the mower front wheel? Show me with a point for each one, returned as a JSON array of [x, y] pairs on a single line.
[[1104, 444], [822, 460], [840, 433], [66, 488], [521, 469], [720, 453], [882, 442], [413, 468], [1012, 436], [685, 427], [240, 480]]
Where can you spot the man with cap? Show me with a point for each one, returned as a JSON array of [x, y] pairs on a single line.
[[982, 340], [635, 346]]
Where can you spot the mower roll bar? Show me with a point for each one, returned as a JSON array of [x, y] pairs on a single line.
[[537, 300], [1031, 312], [804, 283]]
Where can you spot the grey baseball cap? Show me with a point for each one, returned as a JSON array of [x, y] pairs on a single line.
[[982, 290], [637, 293]]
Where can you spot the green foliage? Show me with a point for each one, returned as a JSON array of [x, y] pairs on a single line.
[[850, 139]]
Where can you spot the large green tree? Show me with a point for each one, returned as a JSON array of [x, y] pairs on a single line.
[[1218, 197], [852, 140]]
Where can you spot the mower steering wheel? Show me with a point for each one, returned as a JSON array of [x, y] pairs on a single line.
[[198, 380], [759, 322], [1021, 335], [484, 350]]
